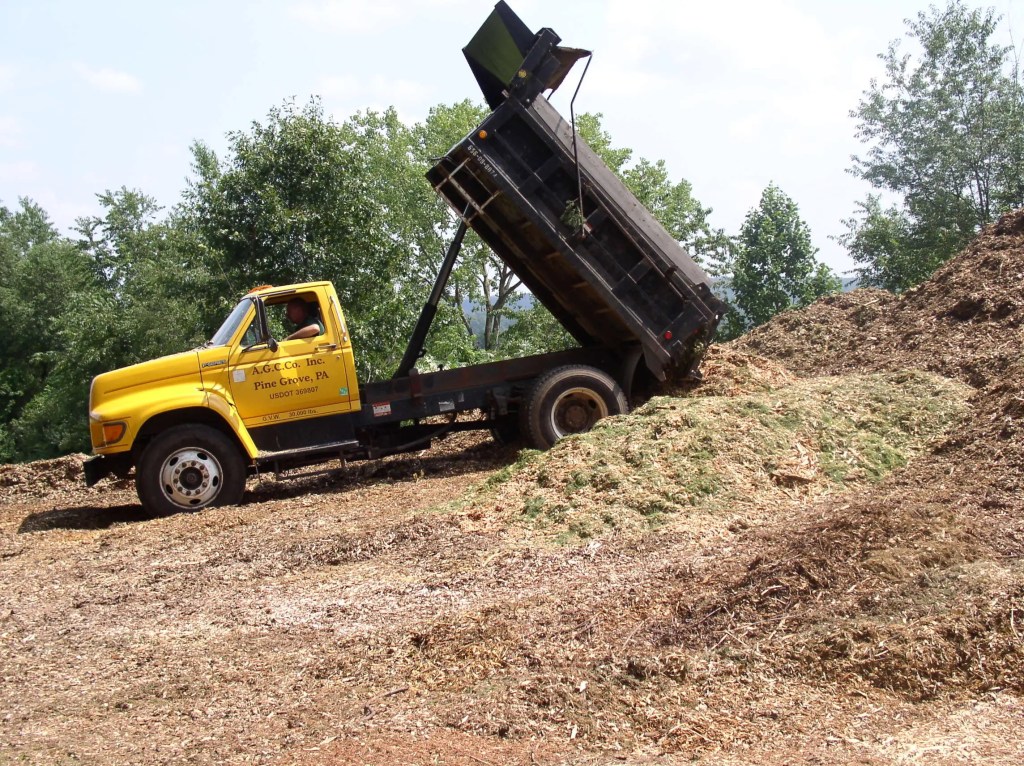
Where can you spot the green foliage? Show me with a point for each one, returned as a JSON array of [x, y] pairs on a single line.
[[153, 270], [589, 127], [888, 246], [133, 287], [535, 331], [23, 228], [945, 134], [481, 279], [43, 277], [284, 201], [299, 198], [775, 266]]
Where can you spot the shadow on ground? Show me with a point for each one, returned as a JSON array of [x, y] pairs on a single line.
[[397, 469], [394, 470], [82, 517]]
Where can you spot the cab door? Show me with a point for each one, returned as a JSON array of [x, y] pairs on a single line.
[[299, 379]]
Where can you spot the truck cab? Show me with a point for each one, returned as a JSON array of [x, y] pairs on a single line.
[[262, 395], [275, 383]]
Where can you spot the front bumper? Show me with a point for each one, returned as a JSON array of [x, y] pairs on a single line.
[[100, 466]]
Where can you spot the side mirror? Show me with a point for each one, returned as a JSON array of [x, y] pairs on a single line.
[[261, 315]]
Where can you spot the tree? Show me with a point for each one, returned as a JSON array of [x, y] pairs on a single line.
[[160, 293], [301, 198], [944, 130], [481, 280], [287, 203], [43, 277], [887, 247], [775, 266]]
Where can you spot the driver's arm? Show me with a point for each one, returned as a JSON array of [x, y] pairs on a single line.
[[309, 331]]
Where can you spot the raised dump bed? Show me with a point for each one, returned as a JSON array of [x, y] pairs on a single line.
[[611, 274], [606, 269]]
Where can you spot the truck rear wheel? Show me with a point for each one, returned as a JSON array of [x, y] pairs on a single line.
[[187, 468], [568, 400]]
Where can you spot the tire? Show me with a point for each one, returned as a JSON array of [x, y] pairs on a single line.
[[568, 400], [187, 468], [505, 430]]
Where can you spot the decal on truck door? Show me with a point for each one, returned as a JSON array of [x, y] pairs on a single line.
[[292, 377]]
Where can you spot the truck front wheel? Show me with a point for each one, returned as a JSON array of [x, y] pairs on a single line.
[[569, 400], [189, 467]]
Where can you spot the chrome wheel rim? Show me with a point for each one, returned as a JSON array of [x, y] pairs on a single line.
[[576, 410], [191, 477]]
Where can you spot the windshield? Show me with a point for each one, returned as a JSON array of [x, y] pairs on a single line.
[[230, 326]]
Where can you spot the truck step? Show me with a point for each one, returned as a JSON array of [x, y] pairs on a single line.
[[284, 454]]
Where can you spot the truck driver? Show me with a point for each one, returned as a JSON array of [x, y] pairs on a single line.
[[303, 317]]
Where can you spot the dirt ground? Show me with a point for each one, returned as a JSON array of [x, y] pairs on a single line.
[[406, 611]]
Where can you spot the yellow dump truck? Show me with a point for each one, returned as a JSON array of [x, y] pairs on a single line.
[[194, 425]]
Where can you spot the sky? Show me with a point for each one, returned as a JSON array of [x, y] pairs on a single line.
[[732, 94]]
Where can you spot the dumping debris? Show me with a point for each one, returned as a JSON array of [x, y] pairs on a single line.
[[675, 461]]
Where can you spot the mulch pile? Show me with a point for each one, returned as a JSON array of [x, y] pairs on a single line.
[[59, 476], [754, 440], [911, 588], [916, 586], [965, 322]]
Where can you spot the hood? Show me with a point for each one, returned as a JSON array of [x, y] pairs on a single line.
[[164, 369]]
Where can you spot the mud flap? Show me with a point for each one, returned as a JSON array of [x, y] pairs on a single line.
[[96, 468], [100, 466]]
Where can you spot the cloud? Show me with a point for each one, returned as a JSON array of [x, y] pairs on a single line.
[[20, 171], [109, 80], [349, 15], [753, 47], [361, 16], [339, 86], [394, 88], [10, 132], [781, 72], [344, 94], [737, 93]]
